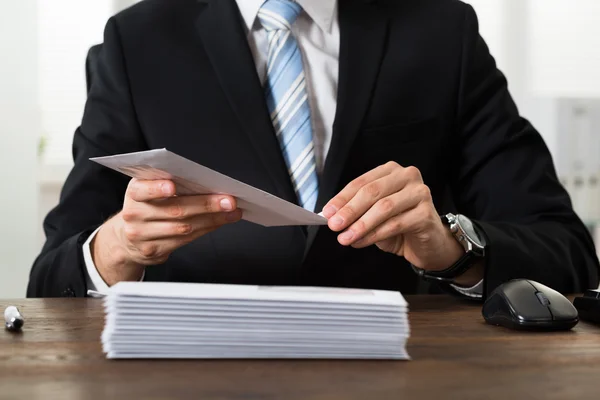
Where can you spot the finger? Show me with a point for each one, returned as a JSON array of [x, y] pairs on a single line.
[[385, 209], [178, 208], [157, 230], [408, 222], [343, 197], [366, 198], [145, 190], [185, 207], [370, 194], [157, 251]]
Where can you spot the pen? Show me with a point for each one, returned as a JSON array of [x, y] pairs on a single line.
[[13, 318]]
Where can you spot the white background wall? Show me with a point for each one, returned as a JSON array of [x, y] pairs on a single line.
[[19, 131], [562, 29], [29, 106]]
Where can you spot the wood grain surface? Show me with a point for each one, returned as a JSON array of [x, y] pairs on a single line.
[[455, 356]]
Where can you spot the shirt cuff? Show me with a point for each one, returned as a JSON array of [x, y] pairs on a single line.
[[93, 279], [475, 292]]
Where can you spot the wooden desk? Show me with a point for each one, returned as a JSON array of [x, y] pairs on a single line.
[[455, 355]]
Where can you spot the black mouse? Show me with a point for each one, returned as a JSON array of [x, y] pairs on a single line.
[[528, 305]]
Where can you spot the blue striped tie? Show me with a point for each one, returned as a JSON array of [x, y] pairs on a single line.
[[287, 99]]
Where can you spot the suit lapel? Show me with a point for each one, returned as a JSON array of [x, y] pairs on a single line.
[[225, 42], [363, 34]]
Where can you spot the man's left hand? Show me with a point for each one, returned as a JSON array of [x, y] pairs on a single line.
[[391, 207]]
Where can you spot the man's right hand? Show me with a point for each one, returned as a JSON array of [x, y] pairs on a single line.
[[154, 223]]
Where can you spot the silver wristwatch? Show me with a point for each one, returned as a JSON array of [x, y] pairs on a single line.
[[466, 234]]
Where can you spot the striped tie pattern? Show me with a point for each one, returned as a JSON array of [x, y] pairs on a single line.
[[287, 99]]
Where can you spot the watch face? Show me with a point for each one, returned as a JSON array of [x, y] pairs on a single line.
[[467, 226]]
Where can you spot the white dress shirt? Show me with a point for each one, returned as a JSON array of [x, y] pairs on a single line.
[[318, 34]]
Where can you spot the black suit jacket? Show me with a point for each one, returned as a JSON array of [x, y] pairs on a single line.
[[417, 85]]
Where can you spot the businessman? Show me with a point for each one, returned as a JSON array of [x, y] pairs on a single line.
[[389, 116]]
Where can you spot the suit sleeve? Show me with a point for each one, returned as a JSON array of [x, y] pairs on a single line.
[[505, 180], [91, 193]]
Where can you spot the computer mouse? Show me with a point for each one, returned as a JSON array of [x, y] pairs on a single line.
[[528, 305]]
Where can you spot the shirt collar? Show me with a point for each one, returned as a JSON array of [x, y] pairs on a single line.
[[321, 11]]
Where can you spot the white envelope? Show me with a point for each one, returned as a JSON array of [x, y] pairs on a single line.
[[191, 178], [158, 291]]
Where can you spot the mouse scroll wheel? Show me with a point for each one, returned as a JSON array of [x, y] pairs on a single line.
[[542, 298]]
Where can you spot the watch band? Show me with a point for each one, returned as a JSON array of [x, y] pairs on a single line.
[[449, 274]]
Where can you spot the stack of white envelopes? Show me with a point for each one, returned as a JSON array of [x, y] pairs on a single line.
[[184, 320]]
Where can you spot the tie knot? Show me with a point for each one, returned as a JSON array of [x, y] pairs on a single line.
[[278, 14]]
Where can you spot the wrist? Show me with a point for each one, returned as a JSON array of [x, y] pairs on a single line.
[[110, 256], [447, 252], [461, 256], [453, 250]]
